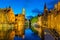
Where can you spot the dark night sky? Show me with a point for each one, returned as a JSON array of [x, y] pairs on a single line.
[[29, 5]]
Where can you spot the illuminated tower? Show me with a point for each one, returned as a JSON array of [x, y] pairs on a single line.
[[23, 11], [44, 21], [45, 16]]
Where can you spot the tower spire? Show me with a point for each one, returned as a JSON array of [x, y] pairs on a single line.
[[23, 11], [45, 8]]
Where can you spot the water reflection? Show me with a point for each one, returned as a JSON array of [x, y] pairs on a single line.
[[29, 35]]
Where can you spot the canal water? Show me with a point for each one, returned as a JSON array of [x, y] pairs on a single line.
[[29, 35]]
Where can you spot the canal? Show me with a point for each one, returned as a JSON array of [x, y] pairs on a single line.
[[29, 35]]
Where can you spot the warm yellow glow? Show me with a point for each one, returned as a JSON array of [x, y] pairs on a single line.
[[39, 22], [57, 6], [11, 16], [20, 24], [7, 22]]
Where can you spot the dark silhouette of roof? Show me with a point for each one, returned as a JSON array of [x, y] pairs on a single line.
[[16, 14]]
